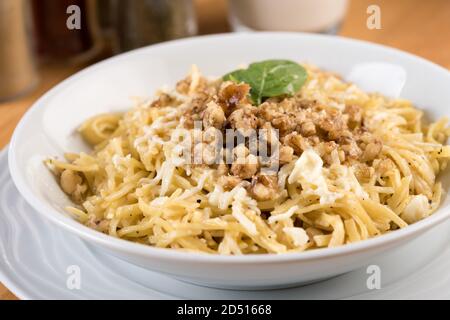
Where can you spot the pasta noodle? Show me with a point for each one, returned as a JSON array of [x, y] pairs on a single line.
[[136, 185]]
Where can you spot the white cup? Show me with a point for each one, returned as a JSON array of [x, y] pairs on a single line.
[[287, 15]]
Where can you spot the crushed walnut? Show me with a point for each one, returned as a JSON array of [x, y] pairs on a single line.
[[294, 124], [72, 184]]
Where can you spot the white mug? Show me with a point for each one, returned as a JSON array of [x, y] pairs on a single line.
[[287, 15]]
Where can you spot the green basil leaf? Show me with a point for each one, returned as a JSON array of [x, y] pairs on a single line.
[[270, 78]]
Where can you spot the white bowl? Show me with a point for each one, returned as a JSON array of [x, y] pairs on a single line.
[[48, 129]]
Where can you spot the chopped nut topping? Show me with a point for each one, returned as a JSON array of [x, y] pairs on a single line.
[[245, 168], [163, 100], [291, 125], [286, 154], [232, 95], [297, 142], [243, 119], [264, 187], [72, 184], [229, 182], [308, 128], [372, 150], [355, 114], [213, 116]]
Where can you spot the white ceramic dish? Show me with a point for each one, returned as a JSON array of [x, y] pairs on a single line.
[[48, 129], [35, 267]]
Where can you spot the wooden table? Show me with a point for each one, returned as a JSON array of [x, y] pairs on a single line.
[[420, 27]]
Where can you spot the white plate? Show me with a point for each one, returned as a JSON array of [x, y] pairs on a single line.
[[36, 255], [49, 129]]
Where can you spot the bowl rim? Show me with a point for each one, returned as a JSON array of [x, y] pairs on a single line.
[[125, 246]]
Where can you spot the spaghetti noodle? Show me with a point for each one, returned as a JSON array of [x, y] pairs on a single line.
[[335, 185]]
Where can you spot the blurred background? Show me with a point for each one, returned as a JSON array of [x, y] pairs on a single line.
[[43, 42]]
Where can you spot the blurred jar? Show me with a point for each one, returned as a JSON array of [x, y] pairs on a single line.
[[107, 11], [17, 71], [55, 41], [142, 22], [287, 15]]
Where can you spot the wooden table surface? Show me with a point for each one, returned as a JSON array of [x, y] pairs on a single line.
[[420, 27]]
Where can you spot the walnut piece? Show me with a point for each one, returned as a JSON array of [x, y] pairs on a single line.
[[264, 187], [72, 184], [245, 168], [213, 116]]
